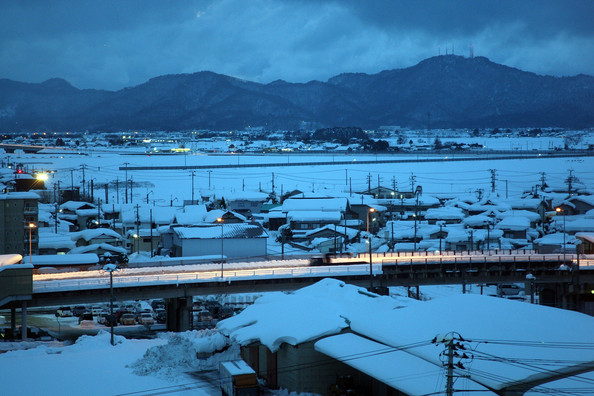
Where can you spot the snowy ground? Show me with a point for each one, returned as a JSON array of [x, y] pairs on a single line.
[[165, 187]]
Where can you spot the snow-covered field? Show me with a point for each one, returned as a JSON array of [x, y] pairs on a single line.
[[166, 187]]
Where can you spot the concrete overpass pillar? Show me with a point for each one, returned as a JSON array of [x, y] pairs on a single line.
[[24, 321], [178, 313]]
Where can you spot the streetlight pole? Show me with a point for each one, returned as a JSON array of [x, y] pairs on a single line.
[[558, 209], [220, 221], [31, 226], [369, 249], [110, 268]]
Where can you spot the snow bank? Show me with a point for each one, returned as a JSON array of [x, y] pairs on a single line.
[[182, 352]]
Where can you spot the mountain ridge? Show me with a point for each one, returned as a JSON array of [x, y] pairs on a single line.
[[442, 91]]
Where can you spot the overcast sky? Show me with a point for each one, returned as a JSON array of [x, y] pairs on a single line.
[[113, 44]]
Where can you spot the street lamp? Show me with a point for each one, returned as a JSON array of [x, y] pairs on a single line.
[[31, 226], [110, 268], [220, 221], [558, 210], [147, 196], [371, 210]]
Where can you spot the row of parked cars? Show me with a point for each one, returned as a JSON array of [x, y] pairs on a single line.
[[124, 314]]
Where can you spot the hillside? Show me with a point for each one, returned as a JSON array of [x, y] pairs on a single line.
[[443, 91]]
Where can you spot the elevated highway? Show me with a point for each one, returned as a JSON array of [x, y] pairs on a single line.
[[557, 279]]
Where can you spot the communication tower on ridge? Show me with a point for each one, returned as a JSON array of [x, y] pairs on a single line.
[[471, 51]]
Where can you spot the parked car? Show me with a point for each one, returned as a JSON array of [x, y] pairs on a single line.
[[86, 320], [101, 318], [128, 319], [146, 319], [79, 310], [155, 304], [160, 315], [64, 312], [96, 309]]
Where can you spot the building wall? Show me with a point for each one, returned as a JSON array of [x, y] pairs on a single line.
[[239, 247], [15, 216], [316, 373]]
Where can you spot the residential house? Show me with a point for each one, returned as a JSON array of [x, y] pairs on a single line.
[[246, 202], [444, 215], [225, 240], [97, 236]]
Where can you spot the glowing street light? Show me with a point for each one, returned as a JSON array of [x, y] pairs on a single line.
[[31, 226], [559, 210]]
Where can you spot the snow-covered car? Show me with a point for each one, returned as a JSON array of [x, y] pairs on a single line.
[[146, 319], [128, 319]]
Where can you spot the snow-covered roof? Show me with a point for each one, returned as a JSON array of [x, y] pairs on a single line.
[[213, 215], [315, 204], [89, 234], [95, 247], [478, 220], [557, 239], [291, 318], [444, 213], [226, 231], [191, 214], [160, 214], [532, 216], [586, 236], [48, 240], [10, 259], [381, 362], [499, 333], [19, 195], [516, 223], [73, 206]]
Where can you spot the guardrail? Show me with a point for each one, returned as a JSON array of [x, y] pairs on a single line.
[[207, 276]]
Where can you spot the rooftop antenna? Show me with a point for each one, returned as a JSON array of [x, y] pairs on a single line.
[[471, 51]]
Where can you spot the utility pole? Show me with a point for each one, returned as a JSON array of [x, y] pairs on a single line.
[[193, 174], [569, 181], [117, 190], [492, 180], [137, 228], [450, 368], [107, 193], [131, 188], [412, 179], [151, 228], [209, 172], [369, 182], [72, 180], [83, 166], [542, 180], [273, 183], [394, 184], [126, 163]]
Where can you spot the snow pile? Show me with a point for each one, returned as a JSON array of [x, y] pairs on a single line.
[[181, 355]]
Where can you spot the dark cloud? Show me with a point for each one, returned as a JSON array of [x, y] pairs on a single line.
[[111, 44]]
